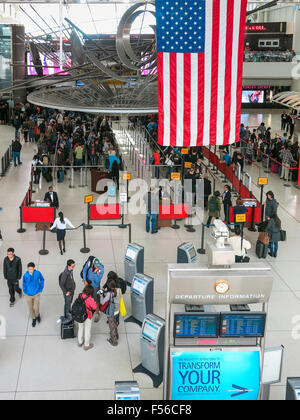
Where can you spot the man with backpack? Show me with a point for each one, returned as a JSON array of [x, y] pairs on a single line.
[[68, 286], [92, 273]]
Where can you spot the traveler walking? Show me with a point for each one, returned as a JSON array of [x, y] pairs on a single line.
[[60, 224], [12, 272], [33, 286], [85, 328]]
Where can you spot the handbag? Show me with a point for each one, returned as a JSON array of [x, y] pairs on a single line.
[[264, 238], [282, 235], [122, 308], [107, 304]]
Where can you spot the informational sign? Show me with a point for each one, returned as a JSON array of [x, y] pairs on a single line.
[[88, 199], [240, 218], [225, 375], [126, 176], [188, 165], [185, 151], [263, 181], [123, 197], [175, 176]]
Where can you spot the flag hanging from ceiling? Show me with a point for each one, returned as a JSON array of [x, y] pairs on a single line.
[[200, 48]]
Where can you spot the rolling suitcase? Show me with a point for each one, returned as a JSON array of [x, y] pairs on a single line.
[[261, 250], [48, 176], [67, 331], [282, 235]]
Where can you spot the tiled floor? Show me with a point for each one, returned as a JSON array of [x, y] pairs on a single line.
[[36, 364]]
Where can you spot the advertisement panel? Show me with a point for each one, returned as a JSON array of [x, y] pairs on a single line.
[[224, 375]]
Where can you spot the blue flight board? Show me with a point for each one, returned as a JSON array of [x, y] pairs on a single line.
[[196, 325], [242, 324]]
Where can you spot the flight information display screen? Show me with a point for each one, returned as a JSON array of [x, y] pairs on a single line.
[[196, 325], [243, 324]]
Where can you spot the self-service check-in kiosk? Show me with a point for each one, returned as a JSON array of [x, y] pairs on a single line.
[[217, 354], [127, 391], [187, 254], [141, 296], [152, 344], [293, 389], [152, 349], [134, 261]]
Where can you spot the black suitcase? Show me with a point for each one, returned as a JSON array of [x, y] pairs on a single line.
[[261, 250], [283, 235], [67, 331]]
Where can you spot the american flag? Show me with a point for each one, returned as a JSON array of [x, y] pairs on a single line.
[[200, 67]]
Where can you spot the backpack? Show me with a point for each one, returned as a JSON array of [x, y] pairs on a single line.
[[79, 311], [213, 204], [89, 261]]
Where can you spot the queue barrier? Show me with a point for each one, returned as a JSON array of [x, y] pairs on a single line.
[[6, 160], [36, 215], [104, 212], [229, 174], [173, 212], [250, 217]]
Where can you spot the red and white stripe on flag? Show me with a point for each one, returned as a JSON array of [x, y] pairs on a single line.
[[200, 93]]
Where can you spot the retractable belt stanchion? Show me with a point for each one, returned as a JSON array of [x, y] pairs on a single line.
[[88, 225], [202, 249], [44, 251], [21, 230], [84, 250]]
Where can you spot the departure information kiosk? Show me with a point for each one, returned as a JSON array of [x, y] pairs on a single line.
[[215, 355], [134, 261], [293, 389], [152, 344], [141, 296], [187, 254]]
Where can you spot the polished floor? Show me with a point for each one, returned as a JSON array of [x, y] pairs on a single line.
[[37, 364]]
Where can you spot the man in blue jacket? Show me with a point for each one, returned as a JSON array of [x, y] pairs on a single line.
[[92, 274], [33, 285]]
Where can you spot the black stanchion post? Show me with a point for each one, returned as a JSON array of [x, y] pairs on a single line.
[[21, 230], [202, 249], [88, 225], [122, 225], [129, 225], [261, 194], [3, 167], [175, 226], [262, 214], [44, 251], [84, 250]]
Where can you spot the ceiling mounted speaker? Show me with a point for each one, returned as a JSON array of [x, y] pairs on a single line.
[[36, 59], [78, 54]]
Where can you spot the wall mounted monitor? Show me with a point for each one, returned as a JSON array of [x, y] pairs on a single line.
[[250, 324], [187, 325]]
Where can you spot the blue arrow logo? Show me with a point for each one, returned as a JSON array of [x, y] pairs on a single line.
[[241, 389]]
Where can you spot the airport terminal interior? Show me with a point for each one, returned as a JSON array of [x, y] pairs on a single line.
[[79, 90]]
